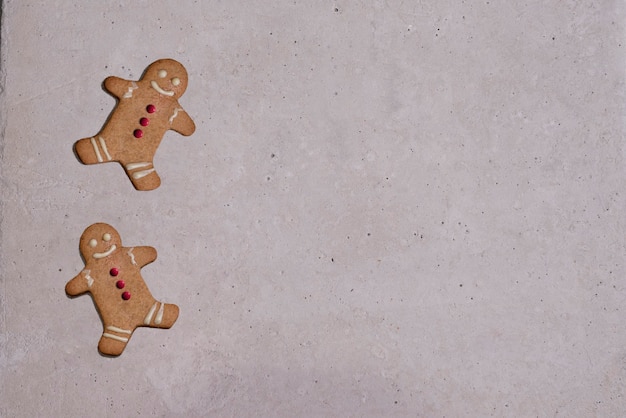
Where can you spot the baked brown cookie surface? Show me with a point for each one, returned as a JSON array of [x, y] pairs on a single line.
[[145, 110], [112, 275]]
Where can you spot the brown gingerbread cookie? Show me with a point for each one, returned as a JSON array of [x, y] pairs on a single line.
[[112, 276], [145, 110]]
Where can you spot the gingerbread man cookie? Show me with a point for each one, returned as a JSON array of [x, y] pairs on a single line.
[[112, 276], [145, 110]]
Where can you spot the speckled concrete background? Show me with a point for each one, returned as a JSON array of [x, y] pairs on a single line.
[[389, 208]]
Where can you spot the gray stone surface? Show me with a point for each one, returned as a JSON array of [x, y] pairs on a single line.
[[389, 208]]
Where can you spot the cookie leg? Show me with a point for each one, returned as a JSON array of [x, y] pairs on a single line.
[[161, 315], [92, 150], [114, 340], [143, 175]]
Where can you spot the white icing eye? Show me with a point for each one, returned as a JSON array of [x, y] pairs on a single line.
[[162, 73], [175, 81], [106, 237], [93, 243]]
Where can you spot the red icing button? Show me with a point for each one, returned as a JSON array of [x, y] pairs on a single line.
[[138, 133], [144, 121], [114, 271], [120, 285], [126, 295], [151, 109]]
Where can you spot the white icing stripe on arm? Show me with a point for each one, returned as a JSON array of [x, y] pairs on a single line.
[[95, 148], [178, 109], [132, 256], [88, 277], [129, 93]]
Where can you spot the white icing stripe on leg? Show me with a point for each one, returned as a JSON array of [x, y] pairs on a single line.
[[148, 317], [133, 166], [95, 148], [115, 337], [159, 316], [120, 330], [104, 147], [132, 256], [141, 174]]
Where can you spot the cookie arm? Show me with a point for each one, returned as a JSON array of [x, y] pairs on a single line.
[[181, 122], [119, 87], [79, 284], [144, 255]]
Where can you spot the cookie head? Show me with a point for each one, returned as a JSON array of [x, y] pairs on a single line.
[[99, 241], [167, 76]]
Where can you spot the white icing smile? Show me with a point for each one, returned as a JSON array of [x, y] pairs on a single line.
[[160, 90], [106, 253]]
